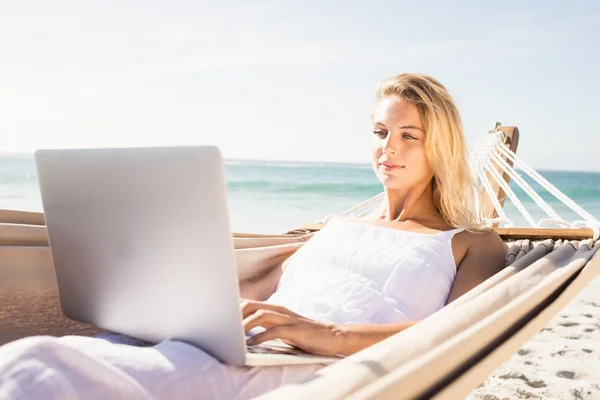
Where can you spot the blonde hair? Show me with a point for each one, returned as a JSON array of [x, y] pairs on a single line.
[[455, 192]]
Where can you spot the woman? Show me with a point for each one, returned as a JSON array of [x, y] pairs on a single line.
[[354, 283], [419, 156]]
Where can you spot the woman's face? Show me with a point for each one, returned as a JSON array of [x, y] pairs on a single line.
[[399, 157]]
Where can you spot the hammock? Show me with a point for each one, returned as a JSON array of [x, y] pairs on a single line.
[[444, 356]]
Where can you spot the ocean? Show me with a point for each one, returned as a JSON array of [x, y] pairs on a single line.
[[274, 197]]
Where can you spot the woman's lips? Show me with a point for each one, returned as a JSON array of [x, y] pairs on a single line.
[[389, 166]]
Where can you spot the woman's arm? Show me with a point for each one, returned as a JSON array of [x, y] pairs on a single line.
[[313, 336], [484, 257], [262, 285], [355, 337]]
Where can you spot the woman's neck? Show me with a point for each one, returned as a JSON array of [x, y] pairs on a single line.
[[414, 204]]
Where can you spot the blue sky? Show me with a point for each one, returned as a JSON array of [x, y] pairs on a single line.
[[294, 80]]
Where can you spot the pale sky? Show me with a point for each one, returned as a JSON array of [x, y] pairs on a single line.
[[294, 80]]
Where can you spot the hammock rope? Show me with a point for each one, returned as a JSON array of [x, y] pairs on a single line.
[[528, 189], [502, 217]]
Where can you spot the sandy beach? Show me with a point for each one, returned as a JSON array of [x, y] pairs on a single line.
[[560, 362]]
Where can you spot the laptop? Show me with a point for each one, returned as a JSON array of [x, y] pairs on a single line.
[[142, 245]]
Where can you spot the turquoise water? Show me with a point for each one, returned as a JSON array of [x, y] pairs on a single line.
[[278, 196]]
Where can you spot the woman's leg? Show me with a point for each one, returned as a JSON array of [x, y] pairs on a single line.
[[104, 367], [44, 367]]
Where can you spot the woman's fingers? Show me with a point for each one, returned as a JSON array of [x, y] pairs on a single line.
[[284, 332], [266, 319], [312, 336], [249, 307]]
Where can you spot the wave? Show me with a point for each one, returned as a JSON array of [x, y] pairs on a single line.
[[576, 193], [307, 188], [18, 179], [298, 165], [317, 178]]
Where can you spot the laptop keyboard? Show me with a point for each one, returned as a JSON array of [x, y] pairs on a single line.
[[273, 347]]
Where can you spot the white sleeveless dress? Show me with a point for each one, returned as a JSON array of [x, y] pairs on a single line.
[[354, 272], [349, 272]]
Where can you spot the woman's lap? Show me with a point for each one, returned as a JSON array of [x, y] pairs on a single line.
[[116, 366]]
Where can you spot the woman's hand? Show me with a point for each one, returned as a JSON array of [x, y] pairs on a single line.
[[295, 330]]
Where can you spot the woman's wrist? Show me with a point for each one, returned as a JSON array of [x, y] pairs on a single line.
[[345, 339], [352, 338]]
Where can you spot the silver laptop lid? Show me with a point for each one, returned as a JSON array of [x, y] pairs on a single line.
[[142, 245]]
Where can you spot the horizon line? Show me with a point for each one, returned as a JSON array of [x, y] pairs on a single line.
[[350, 163]]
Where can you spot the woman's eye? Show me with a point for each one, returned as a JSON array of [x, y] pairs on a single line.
[[380, 133], [409, 137]]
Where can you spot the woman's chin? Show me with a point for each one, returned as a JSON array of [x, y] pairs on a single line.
[[389, 182]]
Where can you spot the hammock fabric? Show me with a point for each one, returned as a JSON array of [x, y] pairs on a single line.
[[449, 353]]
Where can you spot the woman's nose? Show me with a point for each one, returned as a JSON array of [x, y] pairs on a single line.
[[389, 147]]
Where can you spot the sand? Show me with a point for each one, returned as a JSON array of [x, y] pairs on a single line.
[[560, 362]]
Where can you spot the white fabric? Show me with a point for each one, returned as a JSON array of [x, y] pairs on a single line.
[[108, 367], [350, 272], [355, 272]]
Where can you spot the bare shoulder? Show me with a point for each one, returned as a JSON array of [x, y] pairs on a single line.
[[483, 241], [479, 255]]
